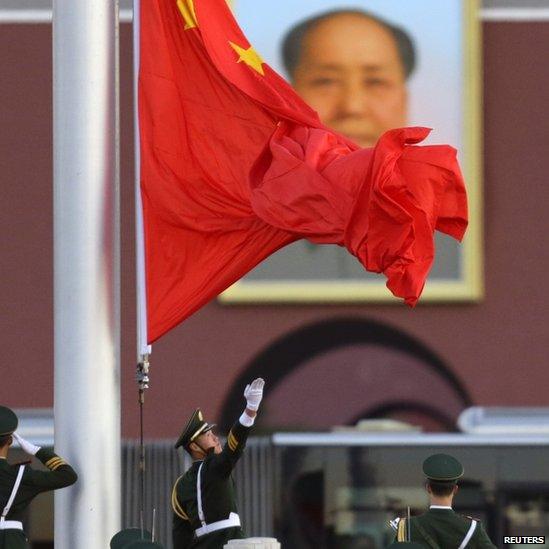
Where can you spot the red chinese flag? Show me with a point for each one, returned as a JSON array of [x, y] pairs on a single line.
[[234, 166]]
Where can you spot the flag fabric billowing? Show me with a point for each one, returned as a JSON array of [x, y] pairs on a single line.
[[234, 166]]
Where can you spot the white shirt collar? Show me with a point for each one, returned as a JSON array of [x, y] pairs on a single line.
[[440, 507]]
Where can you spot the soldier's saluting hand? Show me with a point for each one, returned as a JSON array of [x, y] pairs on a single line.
[[203, 499]]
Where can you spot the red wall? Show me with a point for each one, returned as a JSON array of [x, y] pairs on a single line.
[[497, 348]]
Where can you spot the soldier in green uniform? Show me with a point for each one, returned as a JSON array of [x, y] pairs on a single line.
[[203, 499], [123, 538], [19, 484], [441, 527]]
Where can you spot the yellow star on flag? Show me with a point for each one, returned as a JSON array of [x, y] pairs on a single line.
[[250, 57], [186, 7]]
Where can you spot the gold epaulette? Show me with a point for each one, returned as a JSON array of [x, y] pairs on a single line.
[[54, 463], [232, 442], [471, 518], [401, 531]]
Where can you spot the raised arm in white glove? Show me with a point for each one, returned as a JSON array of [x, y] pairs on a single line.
[[253, 395], [26, 446]]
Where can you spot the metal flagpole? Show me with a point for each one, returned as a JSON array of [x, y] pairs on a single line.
[[86, 269], [143, 349]]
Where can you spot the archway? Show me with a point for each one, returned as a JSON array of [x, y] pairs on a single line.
[[340, 370]]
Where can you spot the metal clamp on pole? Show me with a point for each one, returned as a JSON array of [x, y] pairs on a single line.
[[142, 377]]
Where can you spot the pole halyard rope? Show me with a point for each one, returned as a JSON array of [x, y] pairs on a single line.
[[142, 376]]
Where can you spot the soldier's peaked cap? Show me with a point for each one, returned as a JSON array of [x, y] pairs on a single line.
[[8, 421], [195, 426], [442, 468], [122, 539], [142, 544], [402, 544]]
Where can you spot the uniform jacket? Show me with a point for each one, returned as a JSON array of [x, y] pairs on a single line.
[[217, 492], [59, 475], [443, 529]]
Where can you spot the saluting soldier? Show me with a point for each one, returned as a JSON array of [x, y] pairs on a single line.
[[19, 484], [441, 527], [203, 499]]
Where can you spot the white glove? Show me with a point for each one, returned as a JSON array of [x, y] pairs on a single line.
[[254, 393], [26, 446]]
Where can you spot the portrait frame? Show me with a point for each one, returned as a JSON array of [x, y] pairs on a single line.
[[467, 285]]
